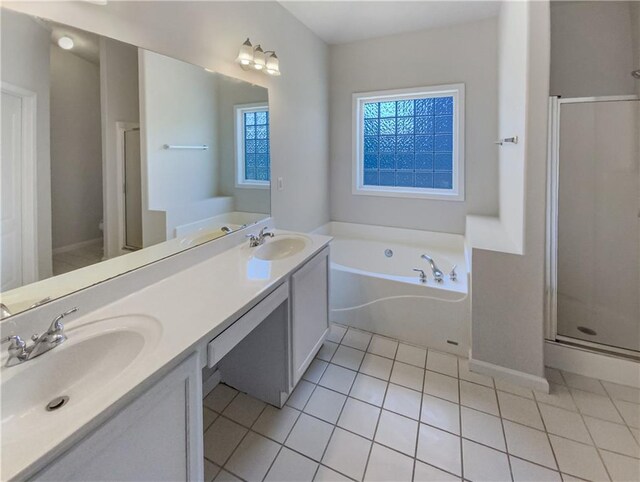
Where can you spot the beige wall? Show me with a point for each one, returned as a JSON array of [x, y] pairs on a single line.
[[76, 157], [119, 103], [25, 64], [592, 52], [210, 34], [415, 60], [507, 290]]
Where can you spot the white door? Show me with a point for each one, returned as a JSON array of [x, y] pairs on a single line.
[[11, 183]]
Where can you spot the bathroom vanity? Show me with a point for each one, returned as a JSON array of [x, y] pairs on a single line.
[[133, 369]]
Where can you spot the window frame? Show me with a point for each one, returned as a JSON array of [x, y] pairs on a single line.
[[458, 167], [240, 162]]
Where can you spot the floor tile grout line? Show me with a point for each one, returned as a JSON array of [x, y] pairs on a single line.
[[281, 444], [616, 406], [342, 409], [546, 432], [589, 432], [504, 434], [415, 450], [224, 465], [460, 410], [375, 430]]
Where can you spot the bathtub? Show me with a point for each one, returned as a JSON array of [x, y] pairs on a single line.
[[373, 286]]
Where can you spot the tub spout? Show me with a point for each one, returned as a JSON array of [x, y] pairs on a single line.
[[437, 273]]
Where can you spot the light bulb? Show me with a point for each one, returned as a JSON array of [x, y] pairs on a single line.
[[65, 43], [245, 56], [259, 60], [273, 64]]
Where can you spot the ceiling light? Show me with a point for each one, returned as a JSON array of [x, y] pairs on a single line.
[[65, 43]]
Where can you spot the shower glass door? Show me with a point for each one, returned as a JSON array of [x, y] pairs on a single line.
[[597, 231]]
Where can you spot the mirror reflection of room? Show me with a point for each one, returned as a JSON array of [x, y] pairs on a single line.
[[134, 150]]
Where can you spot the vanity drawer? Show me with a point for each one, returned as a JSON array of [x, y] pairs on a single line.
[[229, 338]]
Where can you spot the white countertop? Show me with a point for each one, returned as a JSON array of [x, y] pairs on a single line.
[[191, 307]]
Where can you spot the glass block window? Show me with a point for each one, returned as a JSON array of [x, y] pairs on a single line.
[[409, 143], [252, 141]]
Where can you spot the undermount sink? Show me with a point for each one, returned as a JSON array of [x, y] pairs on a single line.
[[80, 369], [281, 247]]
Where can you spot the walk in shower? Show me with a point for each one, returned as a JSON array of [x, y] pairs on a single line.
[[594, 222]]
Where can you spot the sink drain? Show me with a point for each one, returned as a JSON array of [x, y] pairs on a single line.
[[57, 403]]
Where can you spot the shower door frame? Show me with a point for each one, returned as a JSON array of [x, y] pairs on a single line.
[[551, 264]]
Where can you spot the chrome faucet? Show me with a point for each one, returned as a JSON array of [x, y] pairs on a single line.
[[5, 312], [437, 274], [54, 336], [258, 240]]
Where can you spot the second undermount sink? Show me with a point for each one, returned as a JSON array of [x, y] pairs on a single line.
[[43, 391], [281, 247]]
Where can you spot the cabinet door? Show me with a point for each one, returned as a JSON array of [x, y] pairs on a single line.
[[309, 312], [158, 437]]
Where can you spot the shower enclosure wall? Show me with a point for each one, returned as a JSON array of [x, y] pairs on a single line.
[[594, 223]]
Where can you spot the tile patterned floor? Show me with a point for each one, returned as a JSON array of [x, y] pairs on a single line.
[[370, 408], [77, 258]]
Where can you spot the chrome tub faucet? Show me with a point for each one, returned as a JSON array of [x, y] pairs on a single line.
[[438, 275]]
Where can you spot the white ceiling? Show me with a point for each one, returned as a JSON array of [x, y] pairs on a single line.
[[339, 22]]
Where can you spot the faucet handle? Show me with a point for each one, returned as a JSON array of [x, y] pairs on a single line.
[[423, 276], [15, 340], [453, 276], [17, 348], [56, 326], [265, 232]]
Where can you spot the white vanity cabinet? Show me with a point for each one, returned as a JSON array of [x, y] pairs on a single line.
[[309, 312], [157, 437]]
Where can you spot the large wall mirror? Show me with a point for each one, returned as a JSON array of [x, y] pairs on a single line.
[[114, 157]]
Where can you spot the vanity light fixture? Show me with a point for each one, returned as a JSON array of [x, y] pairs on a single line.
[[65, 43], [259, 58], [273, 64], [245, 56], [250, 57]]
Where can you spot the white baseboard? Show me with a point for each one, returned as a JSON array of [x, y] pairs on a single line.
[[210, 383], [513, 376], [592, 364]]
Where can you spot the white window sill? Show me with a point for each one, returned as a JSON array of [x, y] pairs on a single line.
[[249, 185], [434, 194]]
